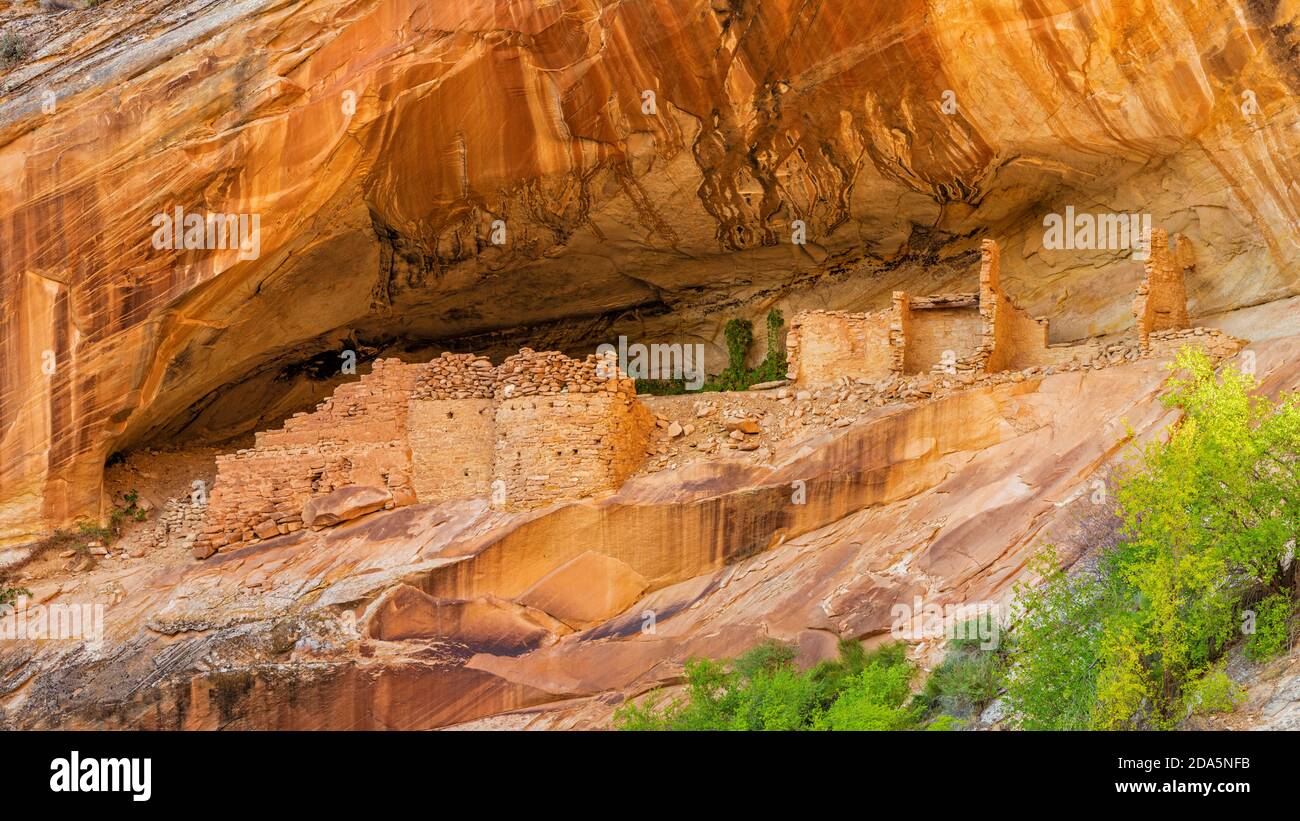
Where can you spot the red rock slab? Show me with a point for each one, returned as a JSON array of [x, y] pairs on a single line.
[[586, 590], [486, 623]]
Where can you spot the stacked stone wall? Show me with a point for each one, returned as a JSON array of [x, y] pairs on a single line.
[[1161, 302], [356, 436], [452, 445], [822, 346], [565, 428], [942, 330], [1011, 338], [438, 431], [567, 446], [455, 376]]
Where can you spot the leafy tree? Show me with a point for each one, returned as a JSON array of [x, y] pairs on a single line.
[[1206, 517], [875, 699], [1052, 681]]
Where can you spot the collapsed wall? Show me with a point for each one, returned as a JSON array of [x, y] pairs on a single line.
[[965, 334], [1161, 302], [565, 429], [355, 437], [1013, 339]]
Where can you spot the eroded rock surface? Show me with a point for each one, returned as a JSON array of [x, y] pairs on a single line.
[[436, 615], [646, 159]]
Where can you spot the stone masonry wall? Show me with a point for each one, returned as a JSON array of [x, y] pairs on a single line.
[[565, 429], [452, 445], [430, 432], [455, 376], [1161, 302], [451, 428], [900, 325], [1018, 340], [962, 333], [541, 373], [822, 346], [356, 436], [941, 329]]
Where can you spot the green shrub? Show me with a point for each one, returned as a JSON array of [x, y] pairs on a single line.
[[736, 376], [970, 676], [768, 657], [13, 49], [1272, 635], [762, 690], [876, 699], [660, 387], [739, 334], [774, 365], [8, 595], [778, 699], [1214, 693], [942, 723]]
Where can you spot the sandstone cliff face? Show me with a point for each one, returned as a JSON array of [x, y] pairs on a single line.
[[438, 614], [378, 141]]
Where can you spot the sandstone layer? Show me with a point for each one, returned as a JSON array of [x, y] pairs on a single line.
[[482, 175]]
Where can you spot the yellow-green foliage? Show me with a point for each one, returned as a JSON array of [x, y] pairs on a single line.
[[762, 690], [1214, 692], [1207, 516]]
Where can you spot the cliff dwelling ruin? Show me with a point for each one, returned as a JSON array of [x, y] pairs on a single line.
[[972, 333], [542, 428], [538, 429]]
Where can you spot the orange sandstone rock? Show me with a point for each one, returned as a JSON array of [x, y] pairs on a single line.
[[347, 502]]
